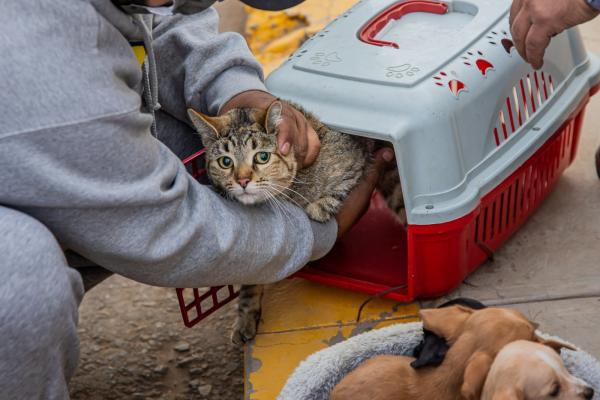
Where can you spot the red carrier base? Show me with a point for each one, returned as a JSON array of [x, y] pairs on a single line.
[[424, 261]]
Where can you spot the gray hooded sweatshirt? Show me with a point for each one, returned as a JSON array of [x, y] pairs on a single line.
[[77, 152]]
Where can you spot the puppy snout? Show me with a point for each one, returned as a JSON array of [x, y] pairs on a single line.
[[588, 393]]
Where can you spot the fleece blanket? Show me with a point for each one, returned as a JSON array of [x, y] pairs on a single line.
[[316, 376]]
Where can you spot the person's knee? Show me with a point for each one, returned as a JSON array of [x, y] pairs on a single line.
[[25, 242], [38, 290], [40, 295]]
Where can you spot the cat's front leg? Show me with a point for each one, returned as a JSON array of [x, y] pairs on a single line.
[[323, 209], [249, 310]]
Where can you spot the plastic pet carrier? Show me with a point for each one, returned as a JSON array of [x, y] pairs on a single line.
[[480, 137]]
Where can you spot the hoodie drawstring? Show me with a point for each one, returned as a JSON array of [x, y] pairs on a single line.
[[150, 89]]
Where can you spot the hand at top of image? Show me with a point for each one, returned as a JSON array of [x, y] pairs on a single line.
[[533, 23]]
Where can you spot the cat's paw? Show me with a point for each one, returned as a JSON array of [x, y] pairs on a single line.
[[323, 209], [245, 327], [316, 212]]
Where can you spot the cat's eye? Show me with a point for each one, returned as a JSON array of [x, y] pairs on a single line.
[[225, 162], [262, 157], [555, 390]]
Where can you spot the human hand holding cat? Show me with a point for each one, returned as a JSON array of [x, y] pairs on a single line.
[[294, 130], [357, 203]]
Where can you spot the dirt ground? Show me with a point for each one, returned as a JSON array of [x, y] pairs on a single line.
[[135, 346]]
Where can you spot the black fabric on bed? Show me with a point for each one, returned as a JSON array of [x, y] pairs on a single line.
[[430, 352]]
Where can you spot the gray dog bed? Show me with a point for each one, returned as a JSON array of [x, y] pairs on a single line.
[[316, 376]]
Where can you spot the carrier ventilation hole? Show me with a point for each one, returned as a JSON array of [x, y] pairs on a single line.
[[501, 38], [483, 65], [455, 86], [507, 209], [525, 99]]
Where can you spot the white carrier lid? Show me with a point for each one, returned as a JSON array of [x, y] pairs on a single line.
[[397, 43], [443, 82]]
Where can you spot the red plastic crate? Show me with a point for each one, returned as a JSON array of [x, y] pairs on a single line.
[[203, 302], [198, 303]]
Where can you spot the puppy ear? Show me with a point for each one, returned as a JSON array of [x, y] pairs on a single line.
[[445, 322], [274, 117], [508, 394], [554, 344], [209, 128], [476, 371]]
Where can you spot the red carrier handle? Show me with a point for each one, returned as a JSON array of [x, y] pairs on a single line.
[[394, 12]]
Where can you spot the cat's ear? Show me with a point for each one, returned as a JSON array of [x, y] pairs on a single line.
[[209, 128], [257, 115], [274, 116]]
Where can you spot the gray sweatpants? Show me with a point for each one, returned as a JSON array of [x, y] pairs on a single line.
[[40, 295]]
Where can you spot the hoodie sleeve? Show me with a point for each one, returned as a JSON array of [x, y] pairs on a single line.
[[111, 192], [199, 67], [77, 154]]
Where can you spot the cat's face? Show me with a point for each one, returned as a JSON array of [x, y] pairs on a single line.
[[242, 158]]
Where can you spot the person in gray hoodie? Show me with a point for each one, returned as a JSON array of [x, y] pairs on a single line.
[[90, 148]]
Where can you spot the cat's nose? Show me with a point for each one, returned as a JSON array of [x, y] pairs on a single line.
[[588, 393], [243, 182]]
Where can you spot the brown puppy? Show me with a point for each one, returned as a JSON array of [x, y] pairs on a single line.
[[526, 370], [475, 337]]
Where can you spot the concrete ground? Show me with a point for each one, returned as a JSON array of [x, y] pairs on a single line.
[[135, 346]]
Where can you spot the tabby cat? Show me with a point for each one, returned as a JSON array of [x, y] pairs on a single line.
[[243, 162]]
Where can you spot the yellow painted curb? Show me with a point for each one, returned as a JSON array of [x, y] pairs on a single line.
[[301, 317], [273, 36]]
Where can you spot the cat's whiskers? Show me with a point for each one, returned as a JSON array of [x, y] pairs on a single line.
[[288, 197], [269, 198], [280, 207], [291, 190], [273, 192]]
